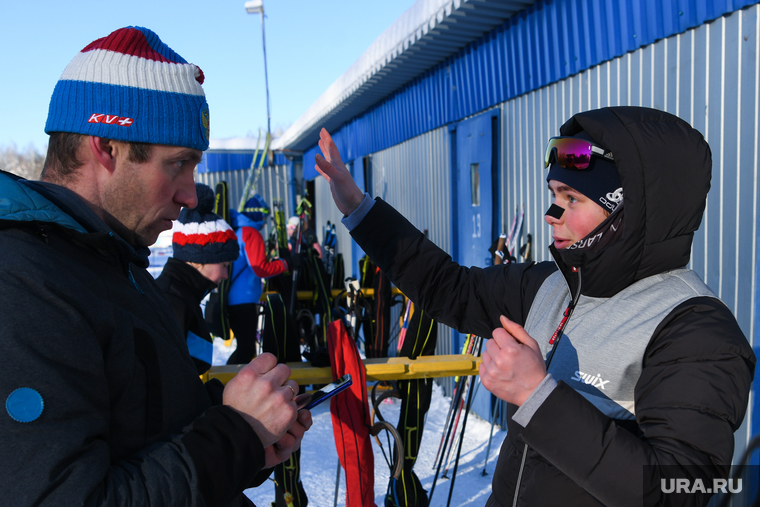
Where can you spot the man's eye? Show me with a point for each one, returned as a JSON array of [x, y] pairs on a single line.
[[571, 199], [180, 162]]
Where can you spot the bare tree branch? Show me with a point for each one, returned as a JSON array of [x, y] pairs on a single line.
[[27, 163]]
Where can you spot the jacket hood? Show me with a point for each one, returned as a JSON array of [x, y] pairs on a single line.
[[20, 203], [665, 167], [242, 220], [36, 203]]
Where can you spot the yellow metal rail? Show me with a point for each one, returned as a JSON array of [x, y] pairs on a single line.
[[307, 295], [386, 368]]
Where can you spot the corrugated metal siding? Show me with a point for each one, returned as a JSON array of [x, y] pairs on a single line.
[[547, 42], [414, 177], [707, 76], [326, 211]]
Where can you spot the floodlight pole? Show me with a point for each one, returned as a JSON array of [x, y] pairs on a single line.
[[257, 7]]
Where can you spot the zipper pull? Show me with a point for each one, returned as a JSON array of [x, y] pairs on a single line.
[[562, 323]]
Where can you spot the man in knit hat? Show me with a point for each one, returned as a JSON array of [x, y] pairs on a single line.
[[103, 403], [204, 245]]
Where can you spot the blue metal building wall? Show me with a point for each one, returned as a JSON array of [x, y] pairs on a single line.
[[709, 75], [551, 40]]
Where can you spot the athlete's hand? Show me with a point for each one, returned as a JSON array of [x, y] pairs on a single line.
[[346, 194], [263, 395], [512, 365], [290, 441]]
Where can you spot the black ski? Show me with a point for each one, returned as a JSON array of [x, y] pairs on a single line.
[[216, 316]]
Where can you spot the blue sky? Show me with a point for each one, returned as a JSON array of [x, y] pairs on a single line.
[[310, 43]]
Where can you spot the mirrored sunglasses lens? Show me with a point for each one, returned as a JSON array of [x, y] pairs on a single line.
[[571, 153]]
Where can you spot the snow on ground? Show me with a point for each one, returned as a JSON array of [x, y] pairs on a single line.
[[319, 458]]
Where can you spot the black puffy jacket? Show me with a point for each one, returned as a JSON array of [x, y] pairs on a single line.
[[126, 420], [691, 382]]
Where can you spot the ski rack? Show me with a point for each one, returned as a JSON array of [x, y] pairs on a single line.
[[383, 368]]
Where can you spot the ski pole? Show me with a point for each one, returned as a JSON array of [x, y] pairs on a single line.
[[471, 389], [461, 440], [455, 402], [499, 257], [449, 418], [447, 424], [337, 485], [466, 387], [447, 459], [494, 410]]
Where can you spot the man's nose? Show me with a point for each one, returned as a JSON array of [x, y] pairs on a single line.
[[185, 195]]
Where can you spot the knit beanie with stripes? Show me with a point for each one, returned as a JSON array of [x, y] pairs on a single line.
[[130, 86], [201, 236]]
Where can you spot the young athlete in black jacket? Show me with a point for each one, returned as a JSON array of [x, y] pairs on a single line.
[[621, 369], [203, 246]]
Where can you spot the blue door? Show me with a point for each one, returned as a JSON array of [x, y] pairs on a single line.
[[476, 217], [474, 190]]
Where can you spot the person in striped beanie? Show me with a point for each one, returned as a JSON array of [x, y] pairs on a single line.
[[132, 87], [203, 246], [101, 398]]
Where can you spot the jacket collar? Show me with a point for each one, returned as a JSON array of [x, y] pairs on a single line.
[[42, 202], [193, 283]]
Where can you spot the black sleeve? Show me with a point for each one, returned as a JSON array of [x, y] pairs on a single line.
[[215, 390], [468, 299], [691, 397], [243, 457]]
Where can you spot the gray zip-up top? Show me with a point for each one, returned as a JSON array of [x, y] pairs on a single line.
[[650, 375]]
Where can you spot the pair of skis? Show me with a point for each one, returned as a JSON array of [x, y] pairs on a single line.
[[254, 172]]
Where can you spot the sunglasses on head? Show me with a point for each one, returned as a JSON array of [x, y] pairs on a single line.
[[572, 153]]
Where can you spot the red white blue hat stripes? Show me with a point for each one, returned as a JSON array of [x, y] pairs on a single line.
[[130, 86], [200, 235]]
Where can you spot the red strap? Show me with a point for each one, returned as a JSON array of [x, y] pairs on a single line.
[[350, 418]]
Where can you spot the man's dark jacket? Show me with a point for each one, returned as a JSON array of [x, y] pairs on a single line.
[[185, 287], [126, 419], [691, 390]]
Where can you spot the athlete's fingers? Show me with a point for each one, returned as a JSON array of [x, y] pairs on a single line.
[[518, 333], [330, 149]]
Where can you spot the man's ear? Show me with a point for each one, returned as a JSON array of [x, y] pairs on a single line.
[[104, 150]]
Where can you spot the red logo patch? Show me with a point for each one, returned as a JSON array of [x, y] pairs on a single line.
[[110, 119]]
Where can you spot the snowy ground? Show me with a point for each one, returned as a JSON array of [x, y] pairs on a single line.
[[319, 459]]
